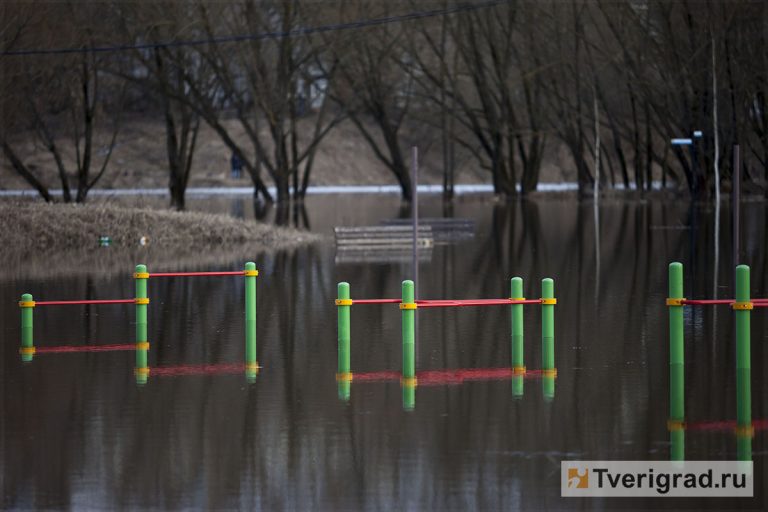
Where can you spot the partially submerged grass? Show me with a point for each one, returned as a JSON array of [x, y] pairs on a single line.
[[54, 238]]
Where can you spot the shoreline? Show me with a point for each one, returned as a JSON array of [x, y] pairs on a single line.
[[45, 239]]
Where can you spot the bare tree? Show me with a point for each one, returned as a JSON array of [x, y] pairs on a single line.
[[62, 99]]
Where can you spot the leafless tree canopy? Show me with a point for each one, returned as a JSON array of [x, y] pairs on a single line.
[[502, 83]]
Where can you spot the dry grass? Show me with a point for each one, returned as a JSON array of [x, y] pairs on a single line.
[[46, 239]]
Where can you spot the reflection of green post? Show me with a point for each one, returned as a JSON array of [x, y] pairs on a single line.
[[516, 293], [548, 386], [677, 441], [676, 423], [343, 306], [251, 364], [408, 306], [142, 344], [742, 308], [27, 306], [409, 398], [518, 386], [744, 445], [548, 302]]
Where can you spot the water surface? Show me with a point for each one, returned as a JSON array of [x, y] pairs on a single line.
[[77, 432]]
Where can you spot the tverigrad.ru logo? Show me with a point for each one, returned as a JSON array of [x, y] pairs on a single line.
[[660, 479]]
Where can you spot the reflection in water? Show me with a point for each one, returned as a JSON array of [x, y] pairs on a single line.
[[78, 433]]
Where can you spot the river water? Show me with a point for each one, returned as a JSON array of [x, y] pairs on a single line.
[[77, 432]]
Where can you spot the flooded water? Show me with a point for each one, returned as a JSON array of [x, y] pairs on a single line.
[[77, 432]]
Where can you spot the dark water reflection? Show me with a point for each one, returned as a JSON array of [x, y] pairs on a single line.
[[77, 432]]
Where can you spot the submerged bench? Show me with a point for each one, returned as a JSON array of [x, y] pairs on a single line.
[[381, 237]]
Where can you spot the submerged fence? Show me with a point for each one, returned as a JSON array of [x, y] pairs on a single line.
[[742, 307], [408, 306], [141, 301]]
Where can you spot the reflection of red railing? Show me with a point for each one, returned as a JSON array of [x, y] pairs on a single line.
[[724, 425], [447, 377], [200, 369], [61, 349], [758, 303]]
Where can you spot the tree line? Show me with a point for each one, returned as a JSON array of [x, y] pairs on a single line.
[[499, 84]]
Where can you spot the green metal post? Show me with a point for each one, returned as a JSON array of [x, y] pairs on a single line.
[[142, 344], [408, 306], [548, 326], [516, 293], [251, 364], [27, 305], [343, 307], [743, 359], [676, 350]]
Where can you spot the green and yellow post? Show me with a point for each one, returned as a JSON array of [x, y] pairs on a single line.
[[142, 344], [343, 307], [27, 305], [408, 379], [516, 312], [676, 422], [548, 302], [251, 364], [742, 309]]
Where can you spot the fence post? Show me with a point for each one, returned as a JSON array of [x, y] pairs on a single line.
[[676, 423], [27, 306], [516, 293], [742, 309], [548, 302], [251, 363], [343, 307], [142, 344], [408, 307]]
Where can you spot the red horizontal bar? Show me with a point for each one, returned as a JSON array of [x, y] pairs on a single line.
[[472, 302], [445, 377], [376, 301], [83, 348], [201, 369], [76, 302], [195, 274]]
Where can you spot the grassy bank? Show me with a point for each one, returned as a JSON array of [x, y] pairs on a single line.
[[46, 239]]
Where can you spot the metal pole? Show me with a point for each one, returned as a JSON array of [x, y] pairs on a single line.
[[27, 306], [548, 326], [516, 293], [676, 360], [251, 363], [415, 207], [742, 308], [736, 204], [343, 306], [408, 306], [142, 344], [408, 379]]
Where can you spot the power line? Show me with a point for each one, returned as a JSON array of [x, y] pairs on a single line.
[[264, 35]]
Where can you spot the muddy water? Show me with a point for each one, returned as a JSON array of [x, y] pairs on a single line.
[[77, 432]]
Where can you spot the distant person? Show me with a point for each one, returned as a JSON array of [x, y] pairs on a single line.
[[237, 166]]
